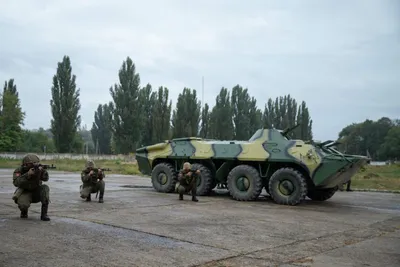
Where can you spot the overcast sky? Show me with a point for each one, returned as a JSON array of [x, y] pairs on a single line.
[[342, 57]]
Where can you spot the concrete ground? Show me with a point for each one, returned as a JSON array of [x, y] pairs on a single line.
[[141, 227]]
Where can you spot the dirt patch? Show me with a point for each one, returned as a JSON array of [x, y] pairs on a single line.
[[371, 175]]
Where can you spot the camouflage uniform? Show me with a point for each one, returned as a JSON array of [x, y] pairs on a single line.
[[30, 187], [187, 181], [91, 183]]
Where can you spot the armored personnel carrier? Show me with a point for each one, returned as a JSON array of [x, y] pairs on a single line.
[[289, 170]]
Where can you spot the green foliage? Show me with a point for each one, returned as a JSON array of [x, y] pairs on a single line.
[[37, 142], [376, 138], [146, 101], [246, 116], [283, 113], [127, 119], [390, 148], [205, 121], [65, 106], [161, 115], [102, 129], [221, 117], [11, 118], [186, 116]]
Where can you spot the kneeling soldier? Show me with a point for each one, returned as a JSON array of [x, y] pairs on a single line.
[[187, 179], [31, 189], [92, 180]]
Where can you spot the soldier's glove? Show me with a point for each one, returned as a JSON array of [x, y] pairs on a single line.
[[31, 172]]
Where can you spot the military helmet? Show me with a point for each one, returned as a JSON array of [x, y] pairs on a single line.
[[30, 158], [90, 164], [187, 165]]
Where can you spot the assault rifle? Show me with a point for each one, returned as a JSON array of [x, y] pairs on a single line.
[[96, 171], [44, 166], [193, 170], [37, 165]]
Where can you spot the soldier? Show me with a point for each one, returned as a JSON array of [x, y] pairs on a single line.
[[92, 182], [187, 179], [30, 188], [348, 189]]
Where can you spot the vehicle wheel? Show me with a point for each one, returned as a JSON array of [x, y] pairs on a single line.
[[164, 178], [244, 183], [287, 186], [205, 181], [322, 194]]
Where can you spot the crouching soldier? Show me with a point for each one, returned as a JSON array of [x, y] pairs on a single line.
[[30, 188], [187, 181], [92, 180]]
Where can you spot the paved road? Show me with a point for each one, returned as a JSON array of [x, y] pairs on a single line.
[[140, 227]]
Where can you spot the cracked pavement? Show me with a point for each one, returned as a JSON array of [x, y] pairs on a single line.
[[137, 226]]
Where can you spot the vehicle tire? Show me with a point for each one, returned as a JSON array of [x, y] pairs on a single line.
[[164, 178], [287, 186], [322, 194], [244, 183], [205, 185]]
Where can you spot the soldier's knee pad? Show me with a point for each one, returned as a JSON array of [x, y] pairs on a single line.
[[181, 189], [45, 187], [24, 205]]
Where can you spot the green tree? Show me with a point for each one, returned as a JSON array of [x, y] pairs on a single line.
[[283, 113], [205, 122], [161, 115], [65, 106], [255, 117], [366, 137], [390, 148], [304, 131], [221, 117], [147, 102], [127, 121], [247, 117], [101, 129], [186, 116], [37, 141], [11, 118]]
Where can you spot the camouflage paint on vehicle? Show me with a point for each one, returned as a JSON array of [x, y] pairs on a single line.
[[267, 150]]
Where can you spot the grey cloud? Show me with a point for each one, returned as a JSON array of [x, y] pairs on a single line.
[[341, 57]]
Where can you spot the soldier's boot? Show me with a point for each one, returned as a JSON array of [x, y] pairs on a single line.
[[43, 215], [24, 213], [101, 198], [89, 198], [194, 198], [180, 196], [348, 189]]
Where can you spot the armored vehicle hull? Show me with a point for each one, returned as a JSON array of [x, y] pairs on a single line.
[[289, 170]]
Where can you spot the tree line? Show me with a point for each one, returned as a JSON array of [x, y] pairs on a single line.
[[140, 115], [378, 139]]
